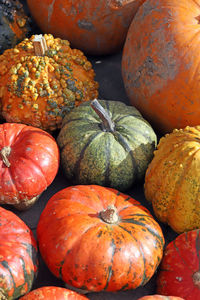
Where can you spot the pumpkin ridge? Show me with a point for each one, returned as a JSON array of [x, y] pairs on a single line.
[[144, 278], [110, 270], [76, 170], [134, 222], [36, 165], [127, 149], [178, 183], [137, 130], [197, 244], [179, 254]]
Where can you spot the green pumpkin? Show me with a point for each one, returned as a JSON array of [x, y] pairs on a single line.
[[106, 143]]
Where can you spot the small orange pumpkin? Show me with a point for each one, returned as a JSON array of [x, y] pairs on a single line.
[[53, 293]]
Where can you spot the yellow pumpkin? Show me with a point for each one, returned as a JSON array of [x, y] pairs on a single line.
[[172, 179]]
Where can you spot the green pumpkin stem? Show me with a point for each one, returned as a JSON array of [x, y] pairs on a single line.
[[107, 123], [110, 215], [5, 152], [196, 279]]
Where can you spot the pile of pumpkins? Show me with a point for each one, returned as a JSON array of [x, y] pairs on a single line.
[[99, 238]]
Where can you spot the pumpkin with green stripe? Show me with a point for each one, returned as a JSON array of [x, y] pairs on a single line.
[[18, 256], [99, 239], [179, 273], [106, 143]]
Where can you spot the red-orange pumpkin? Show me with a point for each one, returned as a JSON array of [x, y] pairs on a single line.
[[53, 293], [160, 297], [29, 161], [160, 63], [96, 27], [99, 239], [179, 273], [18, 256]]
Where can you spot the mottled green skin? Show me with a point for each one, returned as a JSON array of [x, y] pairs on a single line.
[[116, 159]]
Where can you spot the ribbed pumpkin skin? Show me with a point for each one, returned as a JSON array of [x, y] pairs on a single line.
[[180, 267], [18, 256], [86, 252], [160, 297], [96, 27], [14, 26], [90, 155], [34, 162], [160, 63], [52, 293], [172, 179]]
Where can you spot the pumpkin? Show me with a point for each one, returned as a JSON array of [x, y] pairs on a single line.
[[18, 256], [52, 293], [41, 79], [99, 239], [106, 143], [172, 179], [160, 297], [160, 63], [95, 27], [14, 25], [179, 273], [29, 161]]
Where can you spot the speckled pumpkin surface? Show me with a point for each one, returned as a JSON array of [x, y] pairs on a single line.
[[18, 256], [179, 272], [94, 154], [14, 23], [172, 181], [38, 90], [96, 27], [99, 239]]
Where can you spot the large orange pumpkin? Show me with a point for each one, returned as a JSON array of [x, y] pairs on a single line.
[[99, 239], [160, 63], [96, 27]]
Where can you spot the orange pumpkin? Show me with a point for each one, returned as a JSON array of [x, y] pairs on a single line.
[[41, 79], [96, 27], [160, 63], [99, 239], [53, 293]]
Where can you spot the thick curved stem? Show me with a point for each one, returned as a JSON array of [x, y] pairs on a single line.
[[107, 123]]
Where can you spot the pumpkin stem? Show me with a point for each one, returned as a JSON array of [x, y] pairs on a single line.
[[107, 123], [5, 152], [39, 44], [109, 215], [196, 279]]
